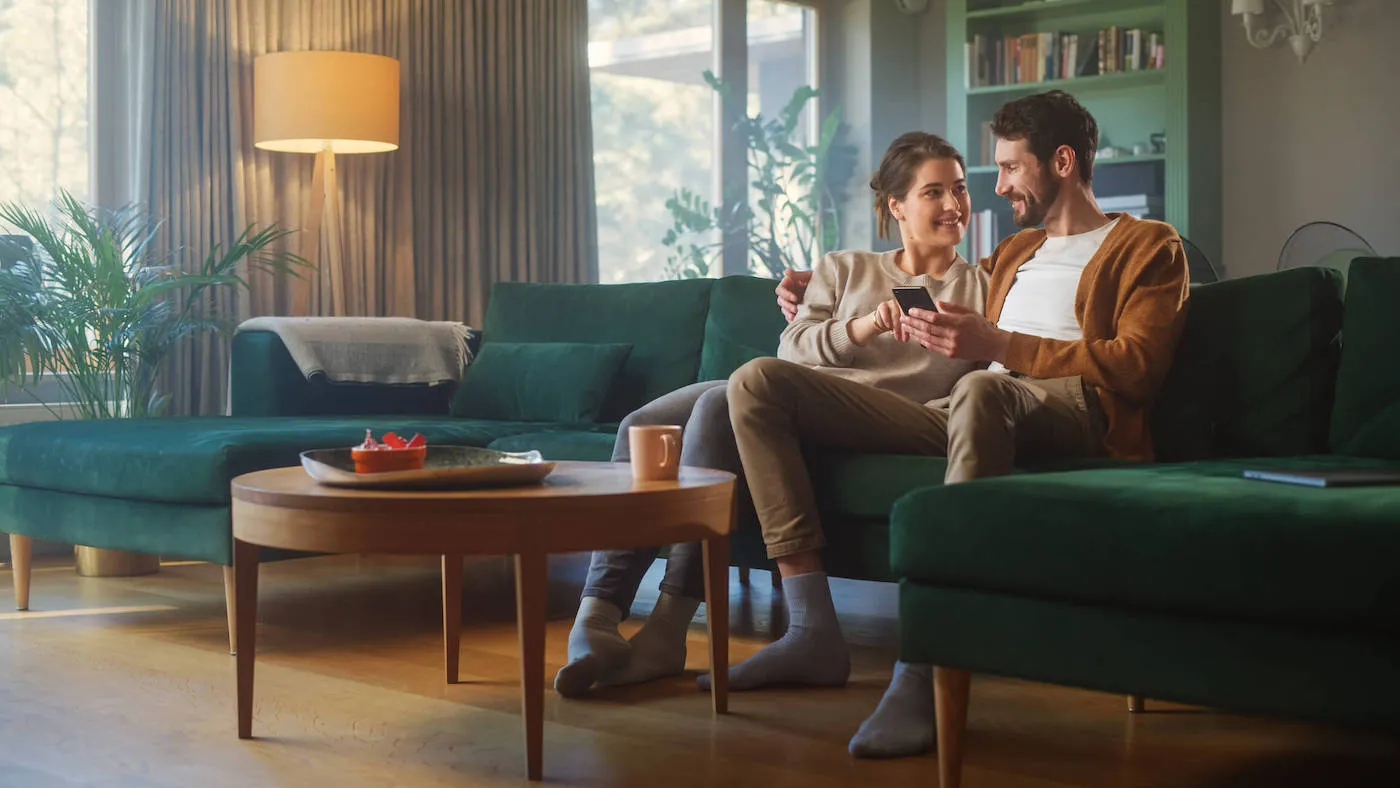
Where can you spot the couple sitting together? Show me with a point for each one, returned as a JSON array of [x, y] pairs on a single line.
[[1054, 346]]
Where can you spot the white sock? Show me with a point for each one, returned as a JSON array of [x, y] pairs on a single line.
[[596, 647], [811, 653], [903, 722], [658, 648]]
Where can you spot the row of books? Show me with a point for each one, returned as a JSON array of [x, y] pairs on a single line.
[[982, 235], [1143, 206], [1039, 57]]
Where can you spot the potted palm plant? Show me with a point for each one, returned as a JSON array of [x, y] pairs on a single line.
[[90, 309], [91, 305]]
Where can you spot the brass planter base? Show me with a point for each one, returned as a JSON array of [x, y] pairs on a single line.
[[94, 562]]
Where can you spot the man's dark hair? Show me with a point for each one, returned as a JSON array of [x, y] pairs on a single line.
[[1048, 120]]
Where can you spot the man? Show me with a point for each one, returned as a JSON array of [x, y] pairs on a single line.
[[1082, 320]]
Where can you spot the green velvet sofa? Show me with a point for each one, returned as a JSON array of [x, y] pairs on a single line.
[[161, 485], [1182, 580]]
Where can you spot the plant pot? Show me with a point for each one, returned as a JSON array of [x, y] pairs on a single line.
[[95, 562]]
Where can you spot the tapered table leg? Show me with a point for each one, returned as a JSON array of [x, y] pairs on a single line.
[[716, 552], [230, 605], [530, 587], [451, 616], [245, 613]]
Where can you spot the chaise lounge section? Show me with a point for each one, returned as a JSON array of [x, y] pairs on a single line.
[[1185, 581]]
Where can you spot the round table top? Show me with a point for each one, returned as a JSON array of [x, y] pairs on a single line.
[[579, 506], [293, 488]]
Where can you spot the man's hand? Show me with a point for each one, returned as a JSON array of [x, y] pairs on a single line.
[[791, 290], [957, 332]]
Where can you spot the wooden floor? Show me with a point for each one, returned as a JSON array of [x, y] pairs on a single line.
[[128, 682]]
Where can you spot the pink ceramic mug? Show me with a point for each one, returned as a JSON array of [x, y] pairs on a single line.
[[656, 452]]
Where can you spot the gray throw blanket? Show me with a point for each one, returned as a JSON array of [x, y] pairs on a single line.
[[371, 349]]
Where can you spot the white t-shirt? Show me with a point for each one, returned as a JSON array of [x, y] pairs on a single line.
[[1041, 299]]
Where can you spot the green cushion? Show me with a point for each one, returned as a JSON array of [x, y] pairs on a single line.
[[744, 323], [663, 321], [596, 446], [857, 548], [1254, 372], [265, 381], [1189, 538], [1366, 416], [867, 485], [539, 381], [1210, 661], [192, 460]]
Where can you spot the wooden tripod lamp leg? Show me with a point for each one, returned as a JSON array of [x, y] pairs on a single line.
[[323, 185]]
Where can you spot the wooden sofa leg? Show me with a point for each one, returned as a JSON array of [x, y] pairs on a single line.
[[1135, 704], [20, 549], [743, 575], [950, 691], [231, 606]]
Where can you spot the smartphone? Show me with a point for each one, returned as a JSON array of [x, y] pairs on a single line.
[[914, 297]]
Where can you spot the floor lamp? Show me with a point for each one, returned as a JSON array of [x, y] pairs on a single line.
[[325, 103]]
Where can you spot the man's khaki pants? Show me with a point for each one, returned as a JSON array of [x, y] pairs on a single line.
[[989, 420]]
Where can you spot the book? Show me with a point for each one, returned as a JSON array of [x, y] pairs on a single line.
[[1349, 478], [1048, 55]]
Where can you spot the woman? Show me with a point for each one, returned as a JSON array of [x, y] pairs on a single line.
[[848, 326]]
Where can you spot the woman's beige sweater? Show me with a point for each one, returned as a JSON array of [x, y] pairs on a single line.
[[850, 284]]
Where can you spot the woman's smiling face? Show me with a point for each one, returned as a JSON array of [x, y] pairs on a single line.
[[935, 211]]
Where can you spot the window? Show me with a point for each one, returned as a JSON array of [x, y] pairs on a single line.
[[653, 124], [654, 117], [781, 41], [44, 92]]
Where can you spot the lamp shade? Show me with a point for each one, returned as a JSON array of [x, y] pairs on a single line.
[[1247, 7], [305, 102]]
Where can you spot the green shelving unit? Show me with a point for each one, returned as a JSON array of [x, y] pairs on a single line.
[[1180, 100]]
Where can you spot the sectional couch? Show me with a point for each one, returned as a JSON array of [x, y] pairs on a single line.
[[1062, 572]]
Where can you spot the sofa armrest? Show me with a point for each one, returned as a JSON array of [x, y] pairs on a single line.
[[265, 381]]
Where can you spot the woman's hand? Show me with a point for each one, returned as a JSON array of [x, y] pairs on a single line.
[[887, 318], [884, 319]]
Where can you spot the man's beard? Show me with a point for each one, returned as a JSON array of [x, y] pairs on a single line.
[[1037, 207]]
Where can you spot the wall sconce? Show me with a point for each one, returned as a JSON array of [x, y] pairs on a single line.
[[1301, 24]]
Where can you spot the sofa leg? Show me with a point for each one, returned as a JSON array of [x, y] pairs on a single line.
[[950, 691], [1135, 704], [743, 575], [20, 549], [231, 606]]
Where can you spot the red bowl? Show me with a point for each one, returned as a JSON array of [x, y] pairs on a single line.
[[387, 460]]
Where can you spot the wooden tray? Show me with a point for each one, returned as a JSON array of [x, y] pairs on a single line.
[[445, 467]]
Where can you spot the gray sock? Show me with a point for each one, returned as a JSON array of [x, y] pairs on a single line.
[[812, 652], [658, 648], [903, 723], [596, 647]]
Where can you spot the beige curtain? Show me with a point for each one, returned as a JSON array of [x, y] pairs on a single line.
[[499, 113], [193, 145], [493, 180]]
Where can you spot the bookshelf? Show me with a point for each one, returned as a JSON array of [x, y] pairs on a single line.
[[1158, 108]]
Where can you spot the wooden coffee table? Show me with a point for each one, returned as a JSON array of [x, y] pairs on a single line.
[[580, 506]]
